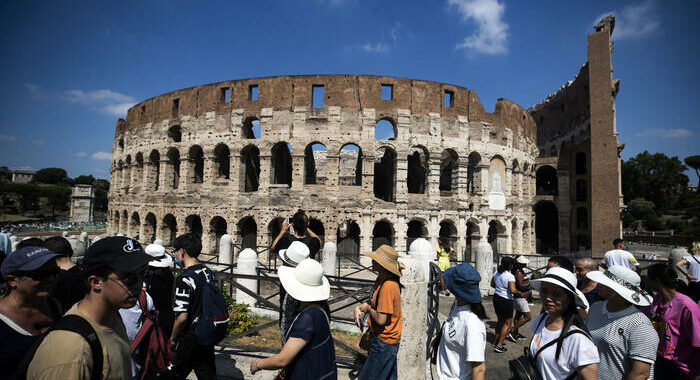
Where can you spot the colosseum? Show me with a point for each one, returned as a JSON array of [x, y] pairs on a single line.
[[374, 160]]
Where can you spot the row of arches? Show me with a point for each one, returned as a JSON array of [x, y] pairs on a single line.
[[547, 183]]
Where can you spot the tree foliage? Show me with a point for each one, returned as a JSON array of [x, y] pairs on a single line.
[[5, 174], [694, 162], [640, 207], [656, 177], [52, 176]]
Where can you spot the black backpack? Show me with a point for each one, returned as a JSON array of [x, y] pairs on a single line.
[[211, 324], [78, 325]]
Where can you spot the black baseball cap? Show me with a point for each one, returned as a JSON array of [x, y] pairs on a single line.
[[120, 253]]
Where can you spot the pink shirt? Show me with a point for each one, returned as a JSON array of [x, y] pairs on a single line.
[[678, 325]]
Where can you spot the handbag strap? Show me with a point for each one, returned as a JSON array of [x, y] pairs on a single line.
[[548, 344], [301, 311]]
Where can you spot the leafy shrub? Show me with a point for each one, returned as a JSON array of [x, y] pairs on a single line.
[[640, 208], [652, 222], [240, 317]]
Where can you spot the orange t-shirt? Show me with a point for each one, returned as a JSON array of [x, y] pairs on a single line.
[[389, 303]]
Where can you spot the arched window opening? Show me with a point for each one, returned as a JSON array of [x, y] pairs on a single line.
[[448, 231], [222, 161], [250, 169], [273, 229], [248, 233], [473, 173], [348, 242], [175, 134], [582, 243], [382, 234], [317, 227], [169, 229], [217, 229], [154, 160], [149, 229], [121, 144], [580, 163], [134, 225], [472, 236], [194, 225], [546, 228], [449, 166], [281, 164], [174, 163], [138, 169], [350, 165], [385, 174], [581, 190], [496, 237], [124, 223], [196, 156], [546, 181], [416, 229], [417, 175], [251, 129], [582, 218], [385, 130], [315, 164]]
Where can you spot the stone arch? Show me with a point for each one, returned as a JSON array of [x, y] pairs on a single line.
[[385, 174], [385, 129], [196, 157], [174, 166], [175, 134], [281, 164], [138, 168], [582, 218], [449, 170], [154, 161], [382, 233], [581, 190], [134, 224], [350, 165], [417, 228], [273, 229], [251, 128], [448, 230], [546, 181], [496, 236], [250, 169], [348, 241], [316, 225], [315, 160], [168, 229], [222, 161], [124, 222], [581, 163], [217, 228], [248, 233], [546, 228], [473, 173], [497, 175], [418, 170], [472, 239], [149, 228], [193, 223]]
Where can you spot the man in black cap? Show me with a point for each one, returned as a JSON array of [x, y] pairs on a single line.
[[114, 269]]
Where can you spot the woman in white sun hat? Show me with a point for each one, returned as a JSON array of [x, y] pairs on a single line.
[[309, 352], [625, 337], [561, 345], [159, 283], [291, 257]]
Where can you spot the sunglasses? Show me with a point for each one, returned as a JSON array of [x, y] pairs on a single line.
[[38, 275], [131, 280]]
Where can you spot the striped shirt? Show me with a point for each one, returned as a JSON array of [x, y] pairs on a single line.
[[621, 337]]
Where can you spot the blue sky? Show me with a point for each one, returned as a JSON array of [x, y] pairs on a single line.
[[71, 68]]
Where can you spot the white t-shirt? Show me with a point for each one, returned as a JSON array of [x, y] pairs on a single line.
[[501, 281], [619, 257], [576, 351], [463, 341], [694, 268]]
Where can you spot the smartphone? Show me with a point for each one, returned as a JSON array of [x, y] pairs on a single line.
[[289, 220]]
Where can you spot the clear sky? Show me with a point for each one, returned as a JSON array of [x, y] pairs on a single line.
[[70, 69]]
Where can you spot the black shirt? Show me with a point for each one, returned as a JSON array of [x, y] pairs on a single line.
[[311, 242], [188, 295], [159, 284], [69, 288], [13, 346], [316, 360]]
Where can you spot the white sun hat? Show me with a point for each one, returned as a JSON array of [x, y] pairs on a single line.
[[522, 260], [305, 282], [564, 279], [160, 258], [295, 253], [623, 281]]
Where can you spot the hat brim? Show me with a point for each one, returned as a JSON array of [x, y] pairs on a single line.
[[300, 291], [164, 262], [461, 290], [579, 297], [393, 267], [644, 298], [131, 262], [283, 256]]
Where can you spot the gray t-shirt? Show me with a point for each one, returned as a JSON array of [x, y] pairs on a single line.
[[621, 337]]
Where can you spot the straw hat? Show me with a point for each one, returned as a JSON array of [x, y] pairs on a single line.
[[623, 281], [160, 258], [305, 282], [387, 258], [564, 279], [522, 260], [295, 253]]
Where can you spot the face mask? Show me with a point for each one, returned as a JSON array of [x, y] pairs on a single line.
[[178, 262]]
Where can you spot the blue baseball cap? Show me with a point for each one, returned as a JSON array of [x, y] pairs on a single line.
[[463, 281], [26, 259]]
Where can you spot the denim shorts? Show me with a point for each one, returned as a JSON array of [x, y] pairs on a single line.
[[381, 361]]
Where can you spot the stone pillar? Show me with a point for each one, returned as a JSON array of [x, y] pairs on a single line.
[[400, 241], [264, 180], [368, 175], [461, 244], [484, 259], [433, 185], [226, 249], [484, 184], [298, 170], [329, 261], [424, 253], [433, 230], [510, 186], [13, 242], [411, 361], [211, 172], [247, 264], [509, 238]]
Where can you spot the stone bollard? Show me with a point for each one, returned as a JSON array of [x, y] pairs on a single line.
[[411, 360], [84, 239], [484, 265], [78, 248], [14, 241], [424, 253], [64, 234], [329, 259], [247, 264], [226, 249]]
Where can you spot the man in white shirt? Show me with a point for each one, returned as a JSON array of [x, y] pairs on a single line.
[[619, 256]]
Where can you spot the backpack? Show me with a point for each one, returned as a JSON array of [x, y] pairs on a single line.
[[150, 347], [211, 324], [78, 325]]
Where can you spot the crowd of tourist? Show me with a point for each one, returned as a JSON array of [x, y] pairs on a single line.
[[60, 320]]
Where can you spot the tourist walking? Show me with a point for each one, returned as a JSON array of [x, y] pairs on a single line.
[[561, 345], [504, 283], [619, 256], [676, 318], [113, 269], [588, 287], [26, 309], [158, 281], [385, 318], [301, 232], [309, 351], [625, 337], [70, 286], [291, 257], [445, 253], [690, 267], [461, 351], [520, 301]]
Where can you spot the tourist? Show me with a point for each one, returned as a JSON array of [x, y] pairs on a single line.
[[625, 337], [26, 309], [189, 353], [159, 281], [29, 242], [309, 351], [461, 351], [690, 267], [504, 282], [619, 256], [385, 318], [291, 257], [70, 286], [5, 244], [133, 321], [588, 287], [520, 301], [560, 261], [444, 253], [113, 269], [676, 319], [561, 345], [301, 232]]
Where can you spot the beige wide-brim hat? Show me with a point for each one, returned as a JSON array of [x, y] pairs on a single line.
[[623, 281], [522, 260], [387, 258], [305, 282]]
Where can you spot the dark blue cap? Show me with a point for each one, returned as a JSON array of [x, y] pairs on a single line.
[[26, 259], [463, 281]]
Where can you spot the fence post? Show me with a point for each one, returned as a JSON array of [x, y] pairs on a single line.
[[247, 264], [484, 265], [411, 361], [226, 249], [14, 241], [329, 258]]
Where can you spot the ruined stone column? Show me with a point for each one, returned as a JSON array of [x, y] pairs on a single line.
[[247, 264], [226, 249], [424, 253], [329, 261], [484, 260], [411, 360]]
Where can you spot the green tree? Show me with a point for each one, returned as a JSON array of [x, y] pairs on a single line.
[[5, 174], [52, 176], [640, 207], [694, 162], [84, 180], [656, 177], [57, 196], [101, 190]]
